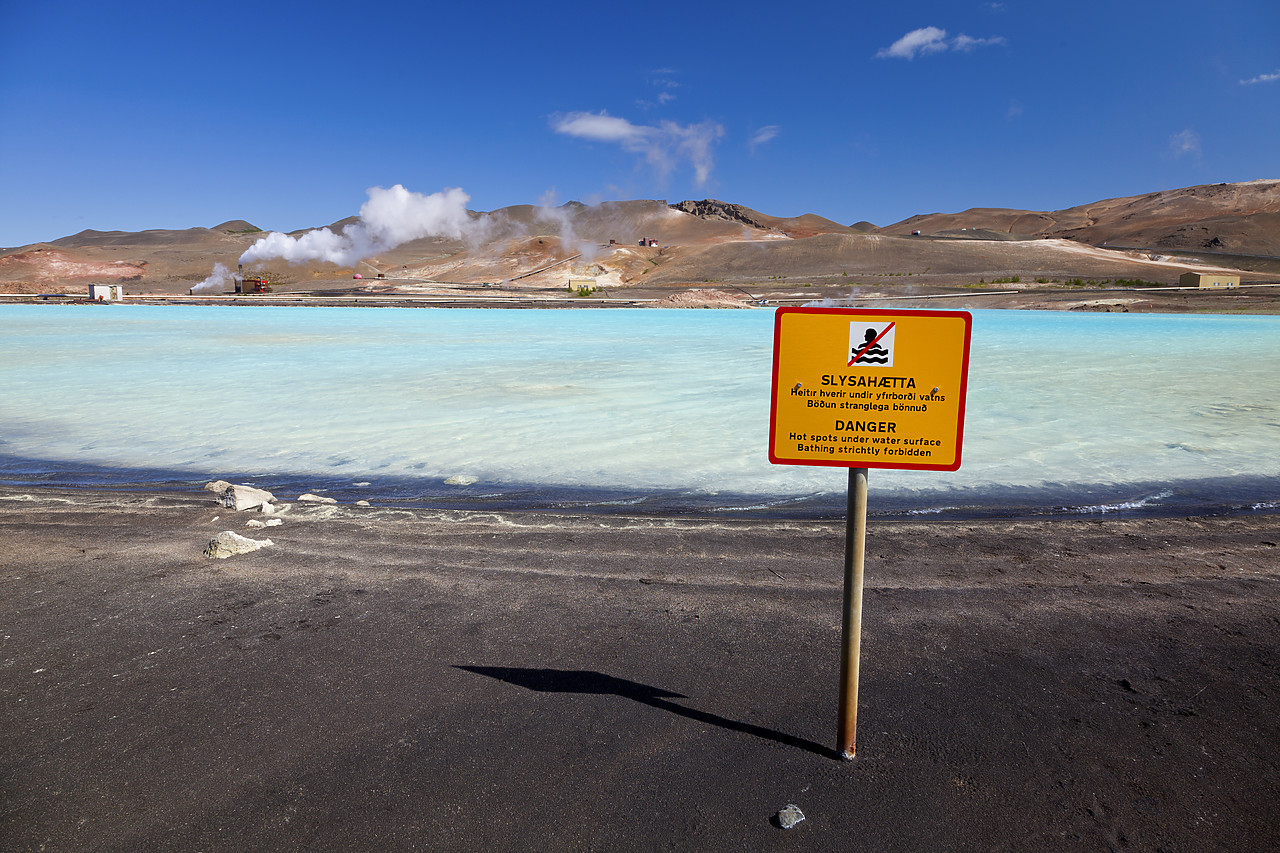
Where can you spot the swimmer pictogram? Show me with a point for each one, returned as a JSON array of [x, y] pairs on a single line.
[[871, 343]]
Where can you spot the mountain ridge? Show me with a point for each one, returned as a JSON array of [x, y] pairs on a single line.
[[1231, 218], [649, 242]]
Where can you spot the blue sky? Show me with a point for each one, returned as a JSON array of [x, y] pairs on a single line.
[[169, 115]]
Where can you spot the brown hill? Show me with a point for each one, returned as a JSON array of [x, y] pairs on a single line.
[[889, 261], [807, 225], [228, 233], [651, 244], [1241, 219]]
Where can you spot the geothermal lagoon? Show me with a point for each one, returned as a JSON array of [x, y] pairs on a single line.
[[620, 410]]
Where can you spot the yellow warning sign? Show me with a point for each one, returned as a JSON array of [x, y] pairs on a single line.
[[866, 388]]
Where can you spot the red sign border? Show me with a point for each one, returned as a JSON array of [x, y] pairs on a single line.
[[877, 312]]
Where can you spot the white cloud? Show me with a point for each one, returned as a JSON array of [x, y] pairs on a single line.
[[599, 127], [667, 84], [1261, 78], [763, 135], [663, 146], [1185, 142], [966, 43], [923, 40], [928, 40]]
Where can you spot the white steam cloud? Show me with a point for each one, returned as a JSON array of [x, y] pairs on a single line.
[[216, 282], [547, 211], [663, 145], [389, 218]]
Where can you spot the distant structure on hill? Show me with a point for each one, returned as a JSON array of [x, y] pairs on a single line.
[[1206, 280]]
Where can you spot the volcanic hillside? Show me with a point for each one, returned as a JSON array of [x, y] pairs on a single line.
[[651, 245], [1239, 219]]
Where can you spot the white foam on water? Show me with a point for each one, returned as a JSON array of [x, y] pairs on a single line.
[[1122, 506], [613, 399]]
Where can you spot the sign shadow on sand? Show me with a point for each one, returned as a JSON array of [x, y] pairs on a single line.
[[591, 682]]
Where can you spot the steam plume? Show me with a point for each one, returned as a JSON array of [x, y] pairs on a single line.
[[390, 217], [547, 211], [216, 282]]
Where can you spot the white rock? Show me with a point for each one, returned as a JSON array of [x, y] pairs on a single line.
[[267, 508], [270, 522], [228, 544], [363, 503], [315, 499], [241, 498], [790, 816], [461, 480], [217, 486]]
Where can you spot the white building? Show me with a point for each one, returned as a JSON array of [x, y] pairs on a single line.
[[106, 292]]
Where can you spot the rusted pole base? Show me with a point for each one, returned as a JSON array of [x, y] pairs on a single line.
[[855, 537]]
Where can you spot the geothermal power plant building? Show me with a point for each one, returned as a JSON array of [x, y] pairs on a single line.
[[1208, 280]]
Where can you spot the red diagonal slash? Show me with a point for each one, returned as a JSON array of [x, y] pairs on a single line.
[[863, 351]]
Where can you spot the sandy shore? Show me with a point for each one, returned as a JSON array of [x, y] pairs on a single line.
[[1254, 299], [389, 680]]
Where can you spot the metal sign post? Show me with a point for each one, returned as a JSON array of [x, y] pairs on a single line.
[[860, 389]]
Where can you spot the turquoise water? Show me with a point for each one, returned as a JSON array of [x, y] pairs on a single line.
[[664, 410]]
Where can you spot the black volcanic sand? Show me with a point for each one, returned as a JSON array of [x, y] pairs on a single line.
[[389, 680]]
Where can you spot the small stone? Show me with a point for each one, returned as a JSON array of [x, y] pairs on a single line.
[[363, 503], [315, 499], [228, 544], [270, 522], [267, 508], [790, 816], [461, 480]]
